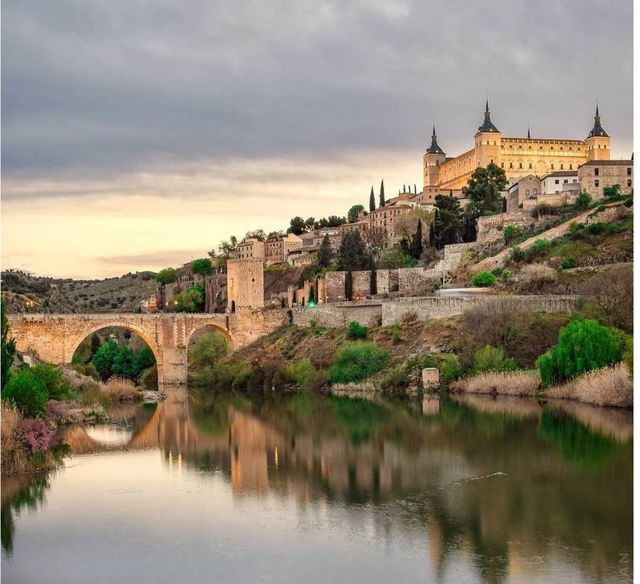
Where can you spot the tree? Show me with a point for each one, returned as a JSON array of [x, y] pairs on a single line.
[[483, 192], [352, 254], [309, 222], [258, 234], [449, 221], [202, 267], [325, 253], [191, 300], [167, 276], [348, 286], [353, 213], [611, 192], [582, 202], [373, 282], [296, 226], [372, 201], [226, 248], [382, 201], [8, 347], [416, 242]]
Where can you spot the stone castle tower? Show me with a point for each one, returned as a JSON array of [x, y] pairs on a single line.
[[598, 141]]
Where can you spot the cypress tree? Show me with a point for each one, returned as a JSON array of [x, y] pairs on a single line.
[[325, 254], [416, 244], [373, 282], [372, 201], [348, 286], [382, 201]]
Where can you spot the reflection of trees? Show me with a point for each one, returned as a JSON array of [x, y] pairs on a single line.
[[19, 493]]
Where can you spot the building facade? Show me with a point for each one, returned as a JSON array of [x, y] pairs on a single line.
[[250, 249], [245, 284], [595, 175], [277, 247], [517, 156]]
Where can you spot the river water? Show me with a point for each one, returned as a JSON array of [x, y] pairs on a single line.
[[208, 488]]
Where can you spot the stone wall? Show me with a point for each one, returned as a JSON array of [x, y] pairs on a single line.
[[334, 286], [339, 315], [245, 283], [394, 311], [361, 284], [491, 228], [418, 281]]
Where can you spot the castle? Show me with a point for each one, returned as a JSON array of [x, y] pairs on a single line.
[[517, 156]]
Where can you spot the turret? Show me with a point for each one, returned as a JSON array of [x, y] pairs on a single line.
[[488, 141], [598, 141], [433, 157]]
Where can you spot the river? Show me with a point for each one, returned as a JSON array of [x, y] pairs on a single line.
[[209, 488]]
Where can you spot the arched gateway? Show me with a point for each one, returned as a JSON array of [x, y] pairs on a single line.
[[55, 337]]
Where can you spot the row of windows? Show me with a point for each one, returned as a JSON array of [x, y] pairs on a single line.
[[531, 166], [578, 149]]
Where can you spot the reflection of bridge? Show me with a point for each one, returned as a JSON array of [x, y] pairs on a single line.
[[55, 337]]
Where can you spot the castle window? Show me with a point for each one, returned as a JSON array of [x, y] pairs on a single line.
[[562, 167], [526, 192], [502, 164], [494, 142], [520, 146], [629, 182], [535, 191], [529, 147], [628, 172], [551, 147], [571, 167], [570, 148], [596, 171], [557, 181], [491, 162], [511, 165], [561, 148], [530, 166], [596, 183], [540, 147], [552, 166], [520, 165]]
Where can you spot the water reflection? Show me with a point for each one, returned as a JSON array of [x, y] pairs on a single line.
[[494, 490]]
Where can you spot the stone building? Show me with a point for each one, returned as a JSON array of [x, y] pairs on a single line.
[[250, 249], [526, 189], [595, 175], [277, 247], [517, 156], [245, 284]]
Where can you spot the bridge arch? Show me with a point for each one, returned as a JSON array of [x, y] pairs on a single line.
[[212, 327], [71, 346]]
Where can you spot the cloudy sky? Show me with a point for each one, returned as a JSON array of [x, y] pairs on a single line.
[[139, 133]]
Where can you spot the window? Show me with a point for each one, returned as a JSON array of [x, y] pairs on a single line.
[[557, 182], [561, 148], [571, 167], [526, 192], [562, 167], [502, 164], [535, 191], [511, 165], [597, 183], [551, 147], [565, 181], [570, 148], [596, 171], [552, 166], [530, 166], [629, 182], [628, 172], [520, 165]]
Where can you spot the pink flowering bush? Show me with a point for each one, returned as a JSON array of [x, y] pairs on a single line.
[[35, 435], [56, 410]]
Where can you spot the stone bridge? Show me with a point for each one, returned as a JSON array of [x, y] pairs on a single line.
[[54, 338]]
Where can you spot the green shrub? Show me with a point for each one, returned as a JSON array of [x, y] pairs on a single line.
[[597, 228], [510, 233], [27, 392], [356, 331], [576, 230], [583, 345], [518, 255], [582, 202], [568, 263], [53, 380], [627, 355], [394, 379], [396, 336], [484, 279], [505, 275], [357, 361], [613, 228], [300, 372], [489, 358], [450, 368], [541, 245]]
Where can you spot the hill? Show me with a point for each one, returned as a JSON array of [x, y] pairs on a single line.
[[24, 292]]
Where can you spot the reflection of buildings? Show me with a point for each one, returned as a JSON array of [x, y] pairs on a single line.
[[470, 479]]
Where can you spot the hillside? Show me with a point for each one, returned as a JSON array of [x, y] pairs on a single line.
[[26, 292]]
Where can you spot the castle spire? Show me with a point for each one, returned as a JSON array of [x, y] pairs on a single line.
[[487, 126], [529, 133], [434, 148], [597, 129]]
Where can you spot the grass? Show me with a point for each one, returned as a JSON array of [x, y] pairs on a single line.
[[120, 389], [510, 383], [610, 386]]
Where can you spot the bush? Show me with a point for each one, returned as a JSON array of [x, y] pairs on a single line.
[[357, 361], [541, 245], [510, 233], [204, 358], [583, 345], [35, 435], [576, 230], [120, 389], [534, 277], [396, 336], [582, 202], [301, 372], [505, 275], [27, 392], [356, 331], [490, 358], [568, 263], [484, 279], [518, 255], [53, 380], [597, 228], [450, 368], [395, 379]]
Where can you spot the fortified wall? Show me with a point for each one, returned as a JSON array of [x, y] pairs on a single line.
[[391, 311]]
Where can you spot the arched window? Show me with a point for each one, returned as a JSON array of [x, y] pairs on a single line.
[[535, 191], [526, 192]]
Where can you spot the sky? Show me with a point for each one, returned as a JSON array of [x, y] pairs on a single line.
[[137, 134]]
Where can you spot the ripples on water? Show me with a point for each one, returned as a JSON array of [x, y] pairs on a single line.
[[206, 488]]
